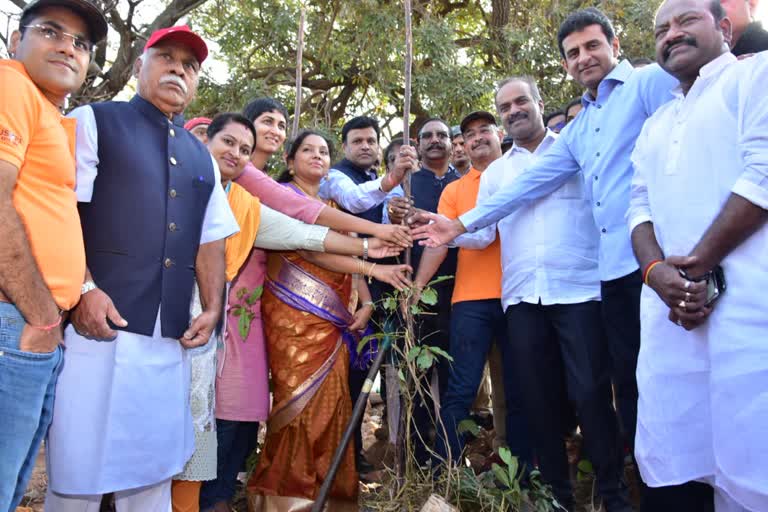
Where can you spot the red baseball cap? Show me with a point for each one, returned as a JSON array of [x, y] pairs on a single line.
[[196, 121], [183, 35]]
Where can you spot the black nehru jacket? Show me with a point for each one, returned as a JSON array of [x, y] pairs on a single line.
[[753, 40]]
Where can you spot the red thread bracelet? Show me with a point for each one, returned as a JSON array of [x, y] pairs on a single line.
[[48, 328], [649, 268]]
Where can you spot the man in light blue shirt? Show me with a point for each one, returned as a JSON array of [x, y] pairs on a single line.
[[598, 143]]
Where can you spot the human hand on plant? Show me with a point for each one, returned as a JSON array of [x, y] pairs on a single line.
[[396, 275], [395, 233]]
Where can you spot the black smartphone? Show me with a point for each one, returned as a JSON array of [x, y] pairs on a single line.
[[715, 284]]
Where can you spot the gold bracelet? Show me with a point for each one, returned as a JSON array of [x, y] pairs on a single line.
[[370, 273]]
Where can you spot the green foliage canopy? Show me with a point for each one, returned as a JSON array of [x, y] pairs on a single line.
[[354, 53]]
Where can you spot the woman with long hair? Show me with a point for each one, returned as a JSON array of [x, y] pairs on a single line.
[[307, 312]]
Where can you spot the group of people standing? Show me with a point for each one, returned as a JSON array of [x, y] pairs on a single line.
[[161, 296]]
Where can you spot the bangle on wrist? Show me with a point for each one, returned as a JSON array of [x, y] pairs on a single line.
[[647, 272], [370, 273], [365, 248], [367, 303]]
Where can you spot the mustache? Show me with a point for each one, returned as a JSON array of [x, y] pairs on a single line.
[[516, 117], [689, 40], [173, 79], [436, 145], [480, 143]]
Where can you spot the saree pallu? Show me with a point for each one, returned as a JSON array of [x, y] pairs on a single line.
[[304, 309]]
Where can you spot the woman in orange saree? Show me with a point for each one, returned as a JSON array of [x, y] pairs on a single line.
[[306, 309]]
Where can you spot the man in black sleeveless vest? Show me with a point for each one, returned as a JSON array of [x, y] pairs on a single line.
[[154, 219]]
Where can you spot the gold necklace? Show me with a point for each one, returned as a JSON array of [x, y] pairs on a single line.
[[303, 189]]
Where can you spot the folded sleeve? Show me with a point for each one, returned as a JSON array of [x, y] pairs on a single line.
[[219, 221], [19, 113], [86, 152], [752, 185]]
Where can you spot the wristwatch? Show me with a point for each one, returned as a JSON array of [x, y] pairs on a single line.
[[87, 286]]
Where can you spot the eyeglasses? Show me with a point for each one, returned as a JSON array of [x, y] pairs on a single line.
[[54, 34]]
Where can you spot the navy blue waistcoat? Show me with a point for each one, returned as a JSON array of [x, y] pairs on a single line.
[[142, 227], [360, 176]]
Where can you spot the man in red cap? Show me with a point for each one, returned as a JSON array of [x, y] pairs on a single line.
[[198, 126], [153, 219], [40, 274]]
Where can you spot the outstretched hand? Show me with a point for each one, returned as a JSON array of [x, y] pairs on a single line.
[[400, 235], [436, 230], [396, 275], [381, 249]]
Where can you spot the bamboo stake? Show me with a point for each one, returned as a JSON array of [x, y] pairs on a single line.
[[403, 431], [299, 74]]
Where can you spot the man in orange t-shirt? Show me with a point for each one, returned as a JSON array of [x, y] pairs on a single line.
[[42, 259], [477, 316]]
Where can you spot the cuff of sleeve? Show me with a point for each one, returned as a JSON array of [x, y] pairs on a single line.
[[316, 238], [638, 219], [470, 220], [11, 157], [751, 192]]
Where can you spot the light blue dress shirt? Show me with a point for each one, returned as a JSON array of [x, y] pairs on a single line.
[[599, 142]]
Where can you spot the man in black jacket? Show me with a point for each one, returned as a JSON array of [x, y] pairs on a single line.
[[749, 36]]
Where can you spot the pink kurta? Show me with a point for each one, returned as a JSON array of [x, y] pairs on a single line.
[[242, 381]]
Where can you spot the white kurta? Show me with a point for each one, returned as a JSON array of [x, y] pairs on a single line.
[[122, 413], [703, 406]]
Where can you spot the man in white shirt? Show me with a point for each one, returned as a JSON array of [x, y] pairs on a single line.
[[154, 220], [551, 295], [700, 200]]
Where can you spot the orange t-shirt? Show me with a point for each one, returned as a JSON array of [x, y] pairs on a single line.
[[40, 142], [478, 272]]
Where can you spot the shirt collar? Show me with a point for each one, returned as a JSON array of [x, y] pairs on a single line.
[[151, 111], [549, 137], [710, 69], [618, 75], [435, 176]]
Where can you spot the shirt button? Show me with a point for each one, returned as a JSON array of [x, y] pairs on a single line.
[[172, 133], [168, 262], [598, 154], [597, 129], [599, 106], [173, 161], [598, 203], [172, 226], [595, 178], [604, 230], [172, 193]]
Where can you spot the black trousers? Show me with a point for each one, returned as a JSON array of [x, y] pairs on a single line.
[[621, 318], [432, 330], [693, 496], [566, 342]]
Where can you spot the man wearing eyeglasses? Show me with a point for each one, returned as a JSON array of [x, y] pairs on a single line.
[[42, 261]]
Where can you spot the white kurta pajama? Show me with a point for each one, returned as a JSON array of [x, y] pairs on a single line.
[[703, 406], [122, 415]]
